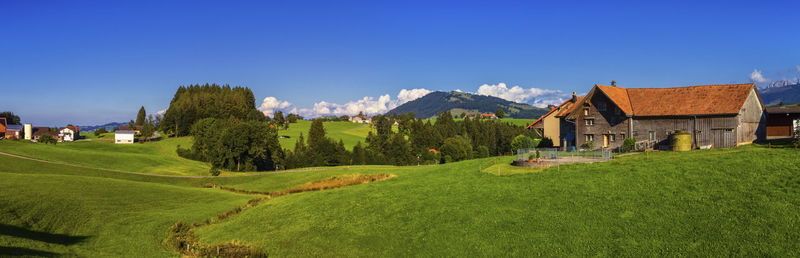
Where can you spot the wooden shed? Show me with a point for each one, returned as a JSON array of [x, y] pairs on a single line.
[[782, 122]]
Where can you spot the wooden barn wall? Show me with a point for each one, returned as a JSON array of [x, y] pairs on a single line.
[[718, 132], [611, 121], [752, 120]]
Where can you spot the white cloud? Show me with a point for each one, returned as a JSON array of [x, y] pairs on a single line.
[[272, 104], [756, 76], [368, 105], [534, 96]]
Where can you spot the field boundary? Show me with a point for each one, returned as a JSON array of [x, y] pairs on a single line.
[[158, 175]]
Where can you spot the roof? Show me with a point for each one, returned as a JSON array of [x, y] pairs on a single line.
[[780, 110], [3, 121], [679, 101], [41, 130], [127, 128], [14, 128], [124, 132], [568, 105]]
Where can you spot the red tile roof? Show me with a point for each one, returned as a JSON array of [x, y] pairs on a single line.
[[568, 105], [691, 100]]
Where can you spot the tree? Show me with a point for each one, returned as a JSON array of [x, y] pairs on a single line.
[[359, 155], [457, 148], [195, 102], [100, 131], [11, 118], [629, 144], [500, 113], [277, 116], [141, 117], [46, 138], [148, 129], [522, 142]]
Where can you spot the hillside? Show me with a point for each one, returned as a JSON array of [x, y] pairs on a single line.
[[437, 102], [722, 202], [788, 94]]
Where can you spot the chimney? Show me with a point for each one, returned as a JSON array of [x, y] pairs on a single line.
[[574, 97], [613, 83]]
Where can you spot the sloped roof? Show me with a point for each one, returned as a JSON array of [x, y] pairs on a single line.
[[14, 128], [770, 110], [124, 132], [568, 107], [691, 100]]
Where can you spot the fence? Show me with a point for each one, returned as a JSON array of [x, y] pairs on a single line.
[[546, 157]]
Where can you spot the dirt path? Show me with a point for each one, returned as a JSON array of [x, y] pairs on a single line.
[[157, 175]]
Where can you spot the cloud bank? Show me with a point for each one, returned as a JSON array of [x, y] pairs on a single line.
[[271, 104], [368, 105], [757, 76], [534, 96]]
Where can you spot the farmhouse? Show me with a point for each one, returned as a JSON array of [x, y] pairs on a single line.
[[124, 136], [782, 122], [38, 131], [68, 134], [360, 119], [718, 116], [488, 116], [136, 128], [14, 132], [553, 124]]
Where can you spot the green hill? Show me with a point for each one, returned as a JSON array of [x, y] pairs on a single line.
[[732, 202], [437, 102]]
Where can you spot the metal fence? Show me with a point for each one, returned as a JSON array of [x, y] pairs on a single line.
[[556, 154]]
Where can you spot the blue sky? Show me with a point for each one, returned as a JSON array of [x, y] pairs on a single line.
[[95, 62]]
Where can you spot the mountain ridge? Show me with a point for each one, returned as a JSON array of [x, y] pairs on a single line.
[[439, 101]]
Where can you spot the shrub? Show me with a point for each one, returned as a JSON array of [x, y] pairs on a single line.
[[545, 143], [629, 145], [46, 138], [482, 151], [588, 145], [457, 148], [522, 142], [214, 171], [100, 131]]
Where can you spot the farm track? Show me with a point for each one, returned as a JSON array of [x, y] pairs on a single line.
[[157, 175]]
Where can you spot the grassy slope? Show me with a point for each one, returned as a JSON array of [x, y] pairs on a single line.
[[744, 201], [350, 133], [719, 202], [153, 157]]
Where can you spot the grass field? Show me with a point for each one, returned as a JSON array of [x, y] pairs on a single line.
[[737, 202], [350, 133]]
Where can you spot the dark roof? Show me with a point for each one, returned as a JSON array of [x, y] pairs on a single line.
[[39, 131], [783, 110], [125, 132], [14, 128], [125, 127], [679, 101]]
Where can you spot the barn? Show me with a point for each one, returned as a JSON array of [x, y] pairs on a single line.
[[782, 122], [717, 116]]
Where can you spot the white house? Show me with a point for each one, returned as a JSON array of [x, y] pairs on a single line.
[[124, 136], [67, 134], [360, 119]]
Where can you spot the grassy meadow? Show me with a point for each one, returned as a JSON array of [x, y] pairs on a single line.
[[349, 133], [735, 202]]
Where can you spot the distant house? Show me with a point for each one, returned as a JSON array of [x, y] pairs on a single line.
[[124, 136], [488, 116], [14, 132], [38, 131], [136, 128], [782, 122], [68, 134], [3, 126], [718, 116], [360, 119], [553, 124]]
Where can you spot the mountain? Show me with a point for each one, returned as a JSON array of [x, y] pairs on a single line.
[[786, 93], [459, 102], [109, 127]]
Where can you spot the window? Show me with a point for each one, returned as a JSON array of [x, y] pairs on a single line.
[[590, 137], [589, 121], [612, 138], [601, 106], [622, 136], [652, 135], [585, 111]]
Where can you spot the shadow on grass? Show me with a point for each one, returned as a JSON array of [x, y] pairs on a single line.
[[61, 239], [20, 251]]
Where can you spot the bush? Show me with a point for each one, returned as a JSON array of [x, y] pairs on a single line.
[[100, 131], [46, 138], [214, 171], [482, 151], [588, 145], [522, 142], [545, 143], [629, 145], [457, 148]]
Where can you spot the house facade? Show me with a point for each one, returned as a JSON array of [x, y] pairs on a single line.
[[124, 136], [717, 116], [14, 132], [553, 124], [67, 134]]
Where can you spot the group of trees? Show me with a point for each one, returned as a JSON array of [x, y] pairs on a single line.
[[194, 102], [11, 118], [235, 145], [283, 122]]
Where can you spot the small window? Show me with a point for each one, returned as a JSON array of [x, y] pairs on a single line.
[[589, 121], [622, 136], [652, 135], [612, 138], [590, 137], [585, 111]]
